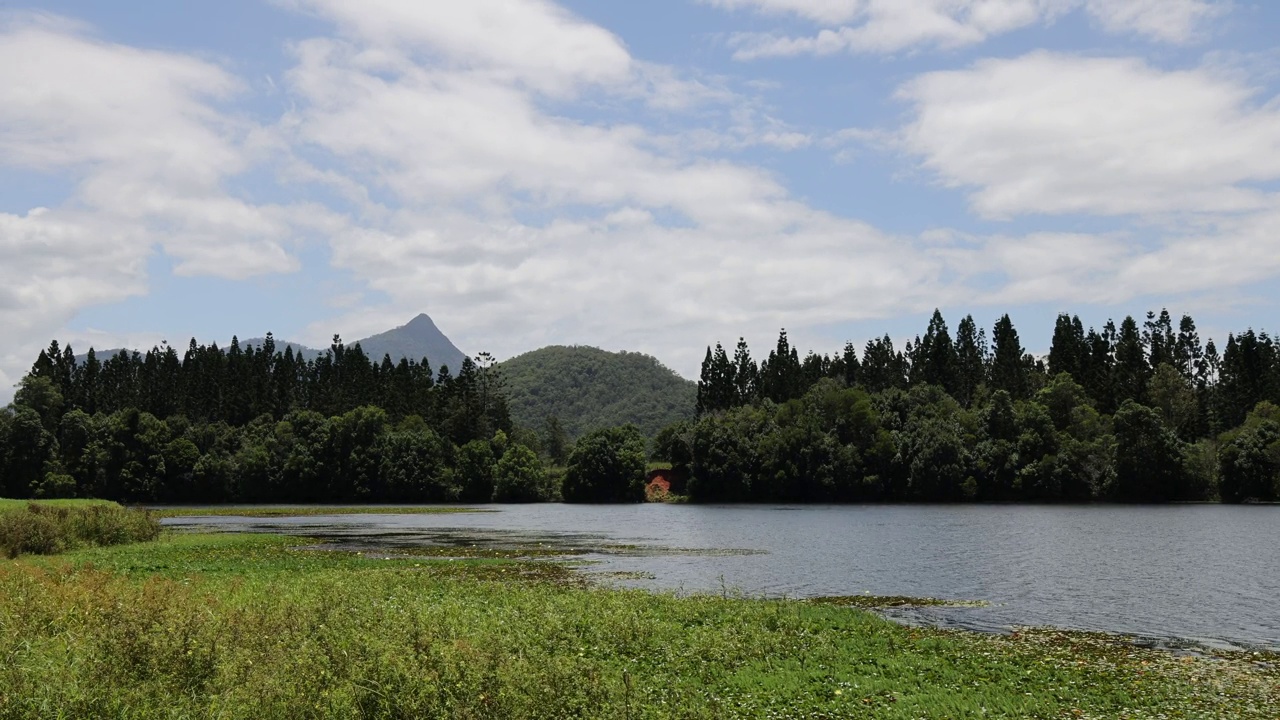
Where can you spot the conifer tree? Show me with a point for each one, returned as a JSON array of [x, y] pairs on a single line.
[[1008, 368]]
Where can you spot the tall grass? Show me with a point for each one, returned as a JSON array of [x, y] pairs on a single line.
[[45, 528], [256, 627]]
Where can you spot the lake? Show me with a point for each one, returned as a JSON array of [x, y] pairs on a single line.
[[1183, 574]]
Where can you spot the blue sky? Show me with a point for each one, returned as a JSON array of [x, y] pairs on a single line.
[[648, 176]]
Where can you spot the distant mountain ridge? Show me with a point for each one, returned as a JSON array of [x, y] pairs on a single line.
[[587, 388], [415, 340]]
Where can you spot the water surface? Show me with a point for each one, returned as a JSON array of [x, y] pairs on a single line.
[[1204, 574]]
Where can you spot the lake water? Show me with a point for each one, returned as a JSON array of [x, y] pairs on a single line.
[[1201, 574]]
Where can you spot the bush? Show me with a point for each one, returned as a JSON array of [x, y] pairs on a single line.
[[519, 477], [30, 531], [607, 466], [44, 530]]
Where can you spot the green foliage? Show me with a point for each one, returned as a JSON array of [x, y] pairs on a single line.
[[47, 528], [588, 389], [1150, 465], [520, 477], [1249, 461], [475, 471], [606, 466]]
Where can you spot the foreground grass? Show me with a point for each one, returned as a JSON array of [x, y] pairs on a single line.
[[255, 627], [265, 511]]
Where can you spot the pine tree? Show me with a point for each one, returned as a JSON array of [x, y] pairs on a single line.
[[746, 376], [1008, 368], [971, 359], [937, 355], [1068, 353], [1131, 370]]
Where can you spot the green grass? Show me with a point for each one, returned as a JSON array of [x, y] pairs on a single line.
[[254, 626], [8, 504], [52, 527], [260, 511]]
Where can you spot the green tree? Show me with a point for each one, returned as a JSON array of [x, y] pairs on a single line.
[[1150, 465], [607, 466], [519, 477], [939, 363], [971, 360], [417, 466], [1131, 371], [1008, 369], [475, 471], [1069, 352]]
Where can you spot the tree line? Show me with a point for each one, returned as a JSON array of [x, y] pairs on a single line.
[[1139, 412]]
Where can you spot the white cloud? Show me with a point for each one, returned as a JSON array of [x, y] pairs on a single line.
[[881, 26], [1050, 133], [641, 242], [140, 137], [531, 42], [1175, 21]]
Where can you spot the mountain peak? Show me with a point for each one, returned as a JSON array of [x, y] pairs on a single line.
[[416, 339], [422, 321]]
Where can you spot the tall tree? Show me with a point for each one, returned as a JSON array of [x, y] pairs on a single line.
[[938, 358], [781, 375], [883, 367], [971, 359], [1008, 369], [1131, 370], [746, 375], [1069, 352]]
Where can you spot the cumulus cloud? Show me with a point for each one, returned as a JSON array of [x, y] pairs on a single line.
[[879, 26], [140, 136], [640, 242], [1052, 133]]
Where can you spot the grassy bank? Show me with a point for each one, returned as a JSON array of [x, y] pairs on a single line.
[[264, 511], [54, 526], [253, 626]]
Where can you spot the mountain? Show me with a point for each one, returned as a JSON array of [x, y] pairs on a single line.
[[589, 388], [417, 339]]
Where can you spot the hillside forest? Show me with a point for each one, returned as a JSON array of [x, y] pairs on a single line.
[[1131, 413]]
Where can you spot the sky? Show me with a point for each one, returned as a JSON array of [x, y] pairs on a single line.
[[649, 176]]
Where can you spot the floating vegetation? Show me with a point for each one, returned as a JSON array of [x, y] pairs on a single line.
[[275, 511], [623, 575], [873, 602]]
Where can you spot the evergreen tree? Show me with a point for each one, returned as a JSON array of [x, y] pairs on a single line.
[[1131, 370], [883, 367], [1159, 339], [1187, 351], [1069, 351], [717, 386], [938, 357], [1008, 369], [781, 375], [971, 359], [746, 376]]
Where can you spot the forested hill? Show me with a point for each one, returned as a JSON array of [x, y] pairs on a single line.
[[588, 388]]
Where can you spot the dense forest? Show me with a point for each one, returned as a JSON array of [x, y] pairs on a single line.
[[1139, 412], [1142, 413], [587, 388]]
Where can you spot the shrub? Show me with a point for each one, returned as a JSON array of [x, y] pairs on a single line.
[[42, 529]]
